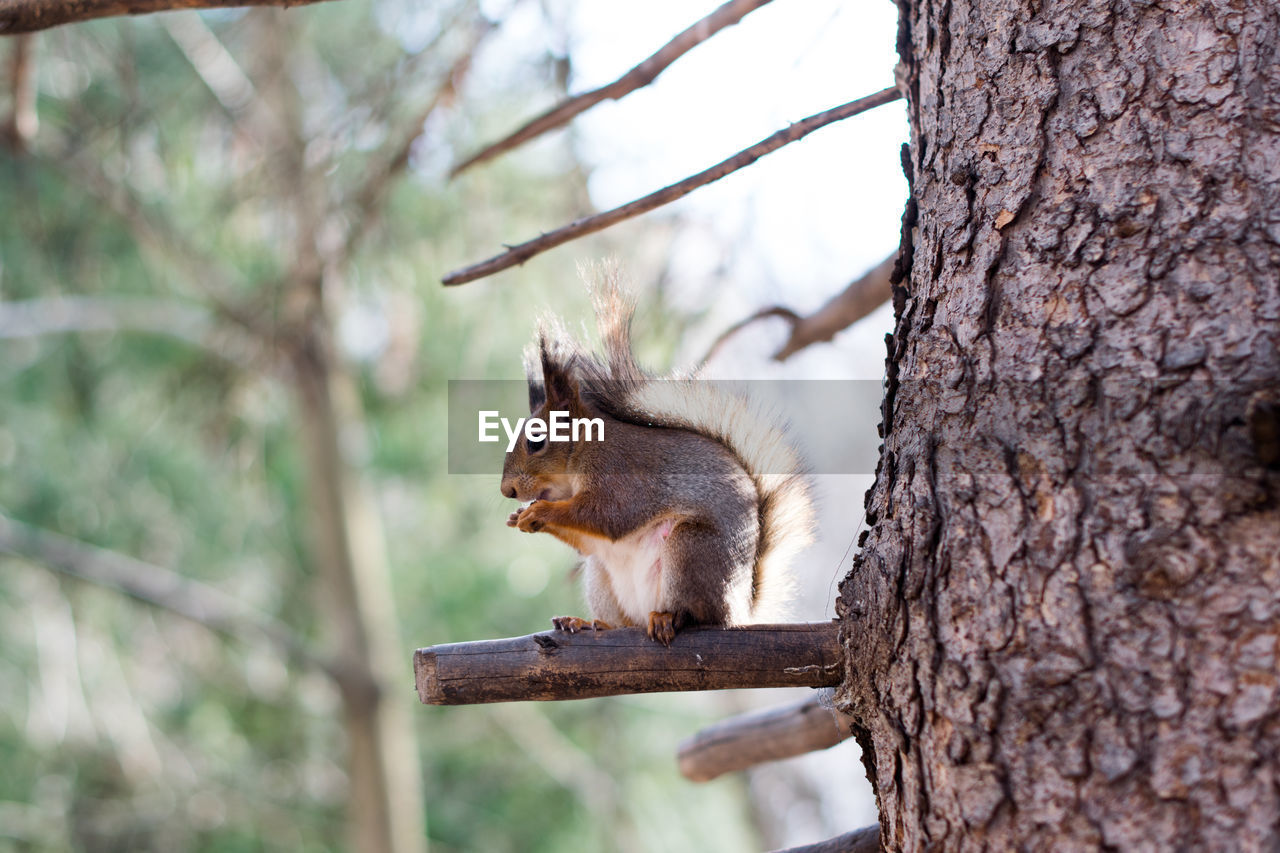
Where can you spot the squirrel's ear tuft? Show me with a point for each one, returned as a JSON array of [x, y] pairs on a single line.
[[533, 373], [560, 386], [537, 394]]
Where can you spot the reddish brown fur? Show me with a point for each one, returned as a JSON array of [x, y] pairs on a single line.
[[674, 525]]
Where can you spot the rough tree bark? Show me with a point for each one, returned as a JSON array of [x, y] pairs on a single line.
[[1063, 626]]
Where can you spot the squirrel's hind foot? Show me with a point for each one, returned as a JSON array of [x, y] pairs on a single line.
[[662, 627], [574, 624]]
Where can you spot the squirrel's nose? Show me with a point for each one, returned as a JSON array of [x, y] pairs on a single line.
[[508, 489]]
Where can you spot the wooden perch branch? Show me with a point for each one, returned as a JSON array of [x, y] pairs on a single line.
[[556, 665], [638, 77], [840, 312], [744, 741], [516, 255], [29, 16]]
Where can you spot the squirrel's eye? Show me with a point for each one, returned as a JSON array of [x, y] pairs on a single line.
[[535, 446]]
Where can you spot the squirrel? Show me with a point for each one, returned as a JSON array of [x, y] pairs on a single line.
[[686, 510]]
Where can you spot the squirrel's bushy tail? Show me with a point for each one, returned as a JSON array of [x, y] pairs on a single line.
[[755, 436]]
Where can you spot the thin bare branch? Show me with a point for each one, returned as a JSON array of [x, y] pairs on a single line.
[[559, 757], [74, 314], [29, 16], [155, 586], [22, 122], [746, 740], [211, 61], [856, 301], [516, 255], [373, 100], [559, 665], [222, 74], [204, 271], [396, 157], [638, 77], [785, 313]]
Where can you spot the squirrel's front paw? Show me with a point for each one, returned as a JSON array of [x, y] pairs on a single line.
[[528, 519], [514, 517]]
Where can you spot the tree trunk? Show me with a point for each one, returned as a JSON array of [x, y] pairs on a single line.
[[1063, 627], [385, 804], [385, 798]]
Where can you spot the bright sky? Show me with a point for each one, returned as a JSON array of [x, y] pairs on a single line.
[[785, 61], [800, 223], [805, 220]]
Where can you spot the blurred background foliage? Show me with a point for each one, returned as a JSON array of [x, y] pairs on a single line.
[[208, 199]]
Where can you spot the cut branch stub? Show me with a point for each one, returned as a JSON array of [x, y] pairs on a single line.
[[556, 665], [746, 740]]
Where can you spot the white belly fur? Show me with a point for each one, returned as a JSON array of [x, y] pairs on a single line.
[[633, 565]]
